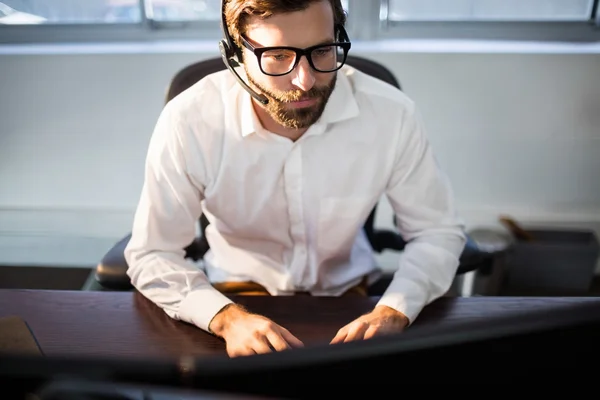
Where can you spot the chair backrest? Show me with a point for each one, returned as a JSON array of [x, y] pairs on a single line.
[[191, 74]]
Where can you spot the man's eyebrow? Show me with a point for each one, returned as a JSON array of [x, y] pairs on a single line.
[[325, 41]]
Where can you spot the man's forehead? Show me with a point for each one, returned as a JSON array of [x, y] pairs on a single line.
[[305, 28], [269, 36], [302, 44]]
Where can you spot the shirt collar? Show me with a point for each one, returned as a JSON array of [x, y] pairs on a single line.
[[249, 119], [341, 106]]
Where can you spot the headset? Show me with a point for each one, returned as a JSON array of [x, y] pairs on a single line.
[[232, 56]]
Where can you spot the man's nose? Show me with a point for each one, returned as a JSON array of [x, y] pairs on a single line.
[[304, 78]]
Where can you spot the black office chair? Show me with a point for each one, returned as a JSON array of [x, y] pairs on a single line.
[[111, 272]]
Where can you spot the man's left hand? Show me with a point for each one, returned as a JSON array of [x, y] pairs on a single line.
[[382, 320]]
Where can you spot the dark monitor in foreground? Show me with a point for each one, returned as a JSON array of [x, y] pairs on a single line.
[[557, 348]]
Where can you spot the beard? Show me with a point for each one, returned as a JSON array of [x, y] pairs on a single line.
[[295, 118]]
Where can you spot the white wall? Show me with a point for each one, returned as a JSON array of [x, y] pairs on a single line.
[[517, 131]]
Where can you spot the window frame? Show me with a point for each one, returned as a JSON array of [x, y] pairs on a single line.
[[525, 30], [366, 22], [146, 30]]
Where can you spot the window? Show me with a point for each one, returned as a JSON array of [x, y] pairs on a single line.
[[109, 11], [170, 10], [490, 19], [149, 20], [66, 11], [108, 20], [488, 10]]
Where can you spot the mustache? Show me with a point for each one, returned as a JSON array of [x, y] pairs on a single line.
[[297, 95], [278, 96], [316, 92]]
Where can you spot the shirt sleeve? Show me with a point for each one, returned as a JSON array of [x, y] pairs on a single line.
[[422, 200], [165, 222]]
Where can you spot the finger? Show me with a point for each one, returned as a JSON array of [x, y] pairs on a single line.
[[340, 336], [277, 341], [356, 332], [371, 332], [261, 345], [291, 339], [240, 352]]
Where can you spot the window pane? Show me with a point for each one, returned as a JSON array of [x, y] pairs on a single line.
[[490, 10], [186, 10], [24, 12], [183, 10]]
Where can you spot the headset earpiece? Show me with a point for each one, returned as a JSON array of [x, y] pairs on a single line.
[[227, 45], [232, 54]]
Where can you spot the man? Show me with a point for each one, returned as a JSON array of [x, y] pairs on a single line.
[[286, 171]]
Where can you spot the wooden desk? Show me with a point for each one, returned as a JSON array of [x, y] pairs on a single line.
[[125, 324]]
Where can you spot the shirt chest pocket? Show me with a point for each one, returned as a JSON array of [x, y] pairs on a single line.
[[339, 221]]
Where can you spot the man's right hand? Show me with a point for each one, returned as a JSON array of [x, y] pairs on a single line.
[[246, 333]]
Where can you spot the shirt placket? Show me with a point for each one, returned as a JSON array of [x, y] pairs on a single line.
[[293, 188]]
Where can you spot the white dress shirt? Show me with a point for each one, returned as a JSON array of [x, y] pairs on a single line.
[[289, 215]]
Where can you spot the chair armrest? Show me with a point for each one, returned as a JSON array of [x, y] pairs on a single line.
[[473, 258], [383, 239], [111, 272]]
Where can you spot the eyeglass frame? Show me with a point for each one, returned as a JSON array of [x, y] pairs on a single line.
[[345, 44]]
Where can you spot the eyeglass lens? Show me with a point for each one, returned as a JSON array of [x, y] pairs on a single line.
[[282, 61]]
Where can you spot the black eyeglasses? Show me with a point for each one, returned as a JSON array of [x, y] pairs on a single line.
[[281, 60]]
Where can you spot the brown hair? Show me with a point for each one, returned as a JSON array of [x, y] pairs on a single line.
[[237, 12]]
